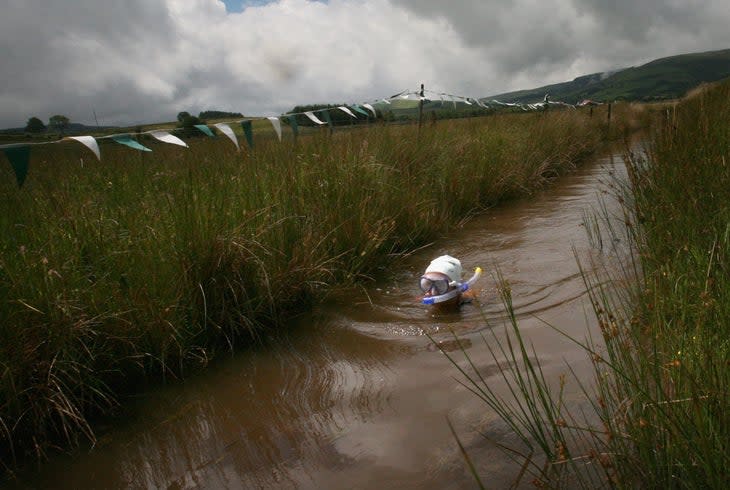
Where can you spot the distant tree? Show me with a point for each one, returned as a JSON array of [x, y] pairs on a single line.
[[218, 114], [35, 125], [58, 123], [186, 120]]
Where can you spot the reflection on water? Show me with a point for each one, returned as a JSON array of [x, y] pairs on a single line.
[[355, 395], [254, 419]]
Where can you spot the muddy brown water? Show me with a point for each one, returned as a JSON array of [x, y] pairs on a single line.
[[355, 395]]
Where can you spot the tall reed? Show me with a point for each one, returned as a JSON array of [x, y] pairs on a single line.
[[144, 265], [659, 400], [677, 424]]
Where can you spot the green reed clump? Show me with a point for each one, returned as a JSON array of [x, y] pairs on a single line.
[[559, 444], [676, 428], [137, 267], [658, 407]]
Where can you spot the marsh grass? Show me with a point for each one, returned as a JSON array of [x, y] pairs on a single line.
[[658, 403], [143, 266]]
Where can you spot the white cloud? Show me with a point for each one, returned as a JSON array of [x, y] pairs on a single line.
[[146, 60]]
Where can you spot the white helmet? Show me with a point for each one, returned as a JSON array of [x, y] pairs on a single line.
[[446, 264]]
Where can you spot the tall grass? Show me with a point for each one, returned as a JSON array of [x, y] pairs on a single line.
[[678, 425], [660, 399], [144, 265]]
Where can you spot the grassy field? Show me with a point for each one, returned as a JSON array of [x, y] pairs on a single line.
[[661, 394], [144, 265]]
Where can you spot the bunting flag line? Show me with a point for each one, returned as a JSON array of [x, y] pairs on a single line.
[[293, 123], [277, 125], [18, 153], [90, 143], [248, 131], [314, 118], [371, 109], [127, 140], [226, 129], [166, 137], [359, 110], [205, 129], [19, 158], [328, 119], [347, 111]]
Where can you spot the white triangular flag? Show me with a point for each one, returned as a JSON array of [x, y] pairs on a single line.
[[347, 111], [90, 143], [166, 137], [371, 108], [277, 125], [226, 129], [314, 118]]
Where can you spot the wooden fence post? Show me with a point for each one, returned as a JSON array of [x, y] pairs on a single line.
[[420, 110]]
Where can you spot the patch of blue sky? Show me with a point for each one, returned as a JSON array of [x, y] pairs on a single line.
[[241, 5]]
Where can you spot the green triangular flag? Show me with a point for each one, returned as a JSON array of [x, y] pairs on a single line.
[[326, 116], [359, 109], [294, 125], [205, 129], [128, 141], [19, 156], [248, 132]]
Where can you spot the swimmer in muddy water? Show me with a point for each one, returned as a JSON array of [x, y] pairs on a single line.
[[442, 285]]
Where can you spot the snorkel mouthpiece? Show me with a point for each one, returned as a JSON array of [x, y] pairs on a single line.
[[432, 300], [459, 288]]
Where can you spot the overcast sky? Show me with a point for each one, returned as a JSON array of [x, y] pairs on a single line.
[[138, 61]]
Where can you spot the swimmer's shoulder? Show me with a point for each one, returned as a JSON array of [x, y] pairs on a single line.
[[468, 296]]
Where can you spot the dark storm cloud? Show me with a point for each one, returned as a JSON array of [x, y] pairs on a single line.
[[522, 41], [145, 60], [633, 21], [547, 38], [56, 55]]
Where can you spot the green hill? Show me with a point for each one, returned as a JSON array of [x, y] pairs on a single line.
[[664, 78]]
